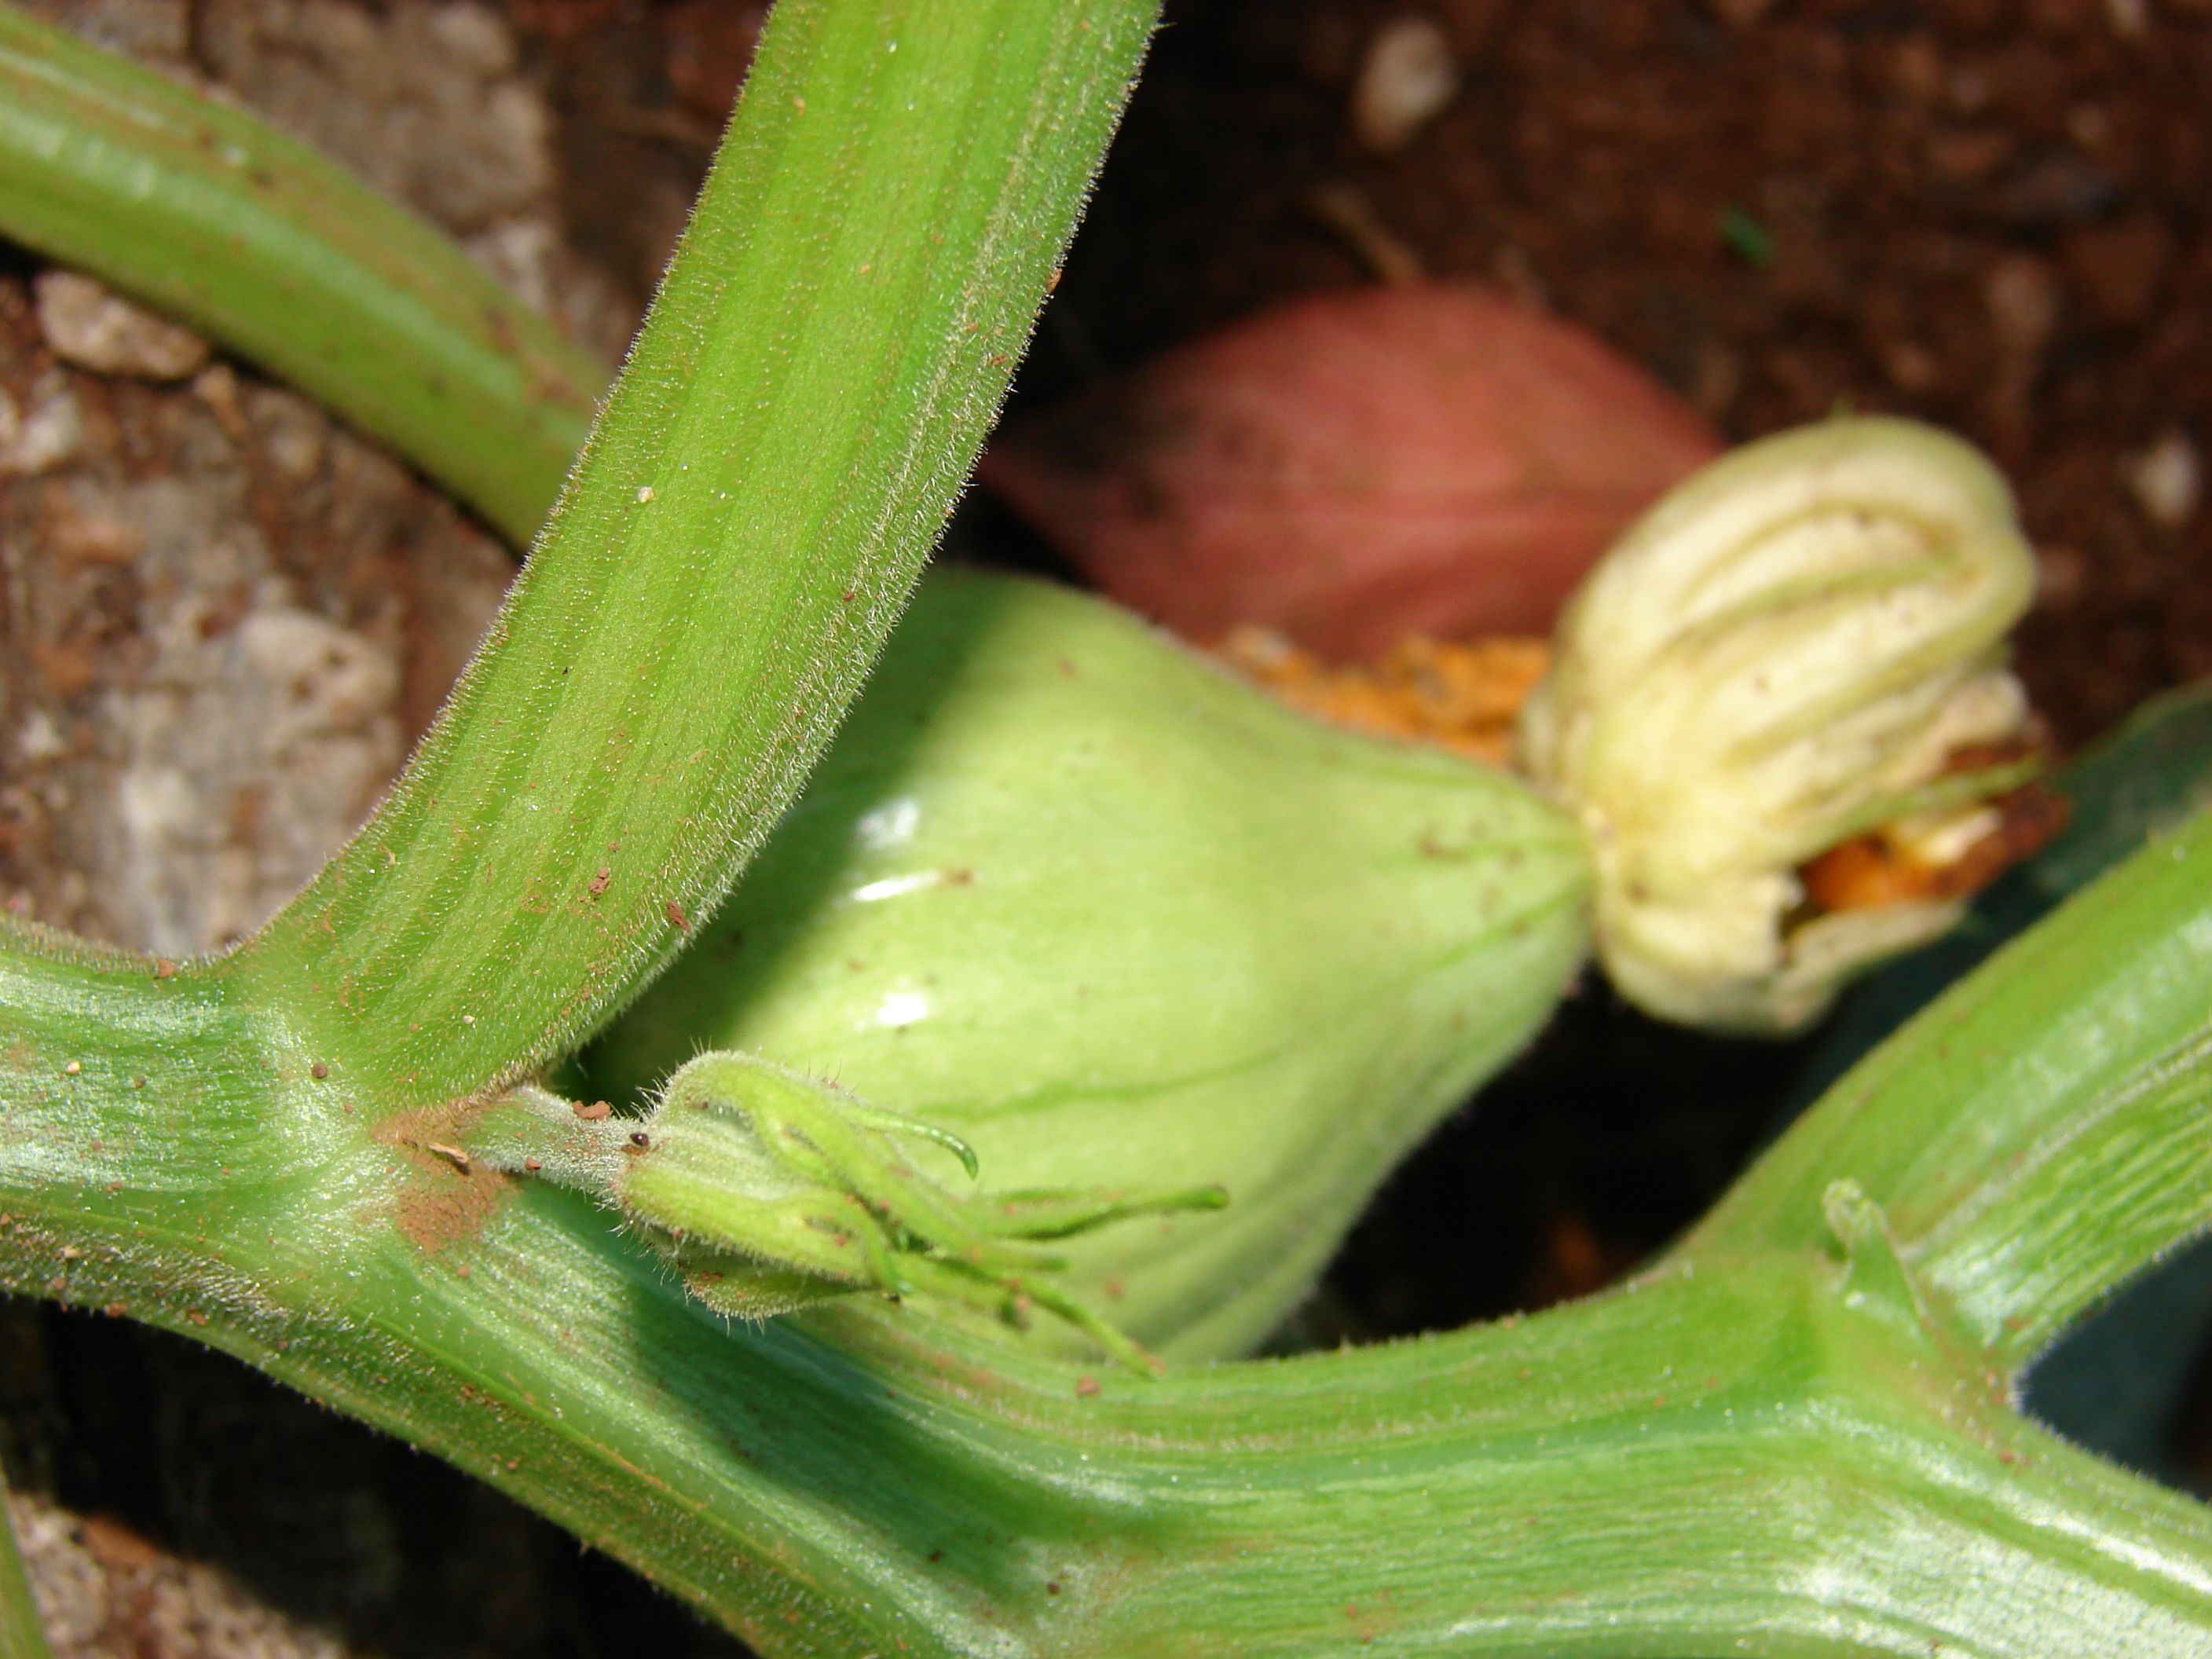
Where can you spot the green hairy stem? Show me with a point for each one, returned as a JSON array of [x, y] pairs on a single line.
[[825, 355], [1795, 1434], [1794, 1444], [205, 212], [1987, 1199], [22, 1636]]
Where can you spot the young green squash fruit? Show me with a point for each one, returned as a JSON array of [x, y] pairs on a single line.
[[1069, 892]]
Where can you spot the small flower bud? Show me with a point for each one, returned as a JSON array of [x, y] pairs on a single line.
[[768, 1190], [1799, 644]]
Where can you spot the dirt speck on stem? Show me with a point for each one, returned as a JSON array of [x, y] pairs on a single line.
[[447, 1197]]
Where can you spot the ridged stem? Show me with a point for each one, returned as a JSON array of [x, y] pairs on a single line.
[[2077, 1062], [828, 350]]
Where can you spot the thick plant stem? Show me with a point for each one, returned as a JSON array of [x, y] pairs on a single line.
[[1787, 1436], [1785, 1450], [207, 213], [1974, 1125], [826, 354]]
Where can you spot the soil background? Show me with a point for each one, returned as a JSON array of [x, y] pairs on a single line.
[[1986, 213]]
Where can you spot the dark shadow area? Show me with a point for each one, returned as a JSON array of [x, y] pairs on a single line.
[[1611, 1135], [341, 1527], [2133, 1381]]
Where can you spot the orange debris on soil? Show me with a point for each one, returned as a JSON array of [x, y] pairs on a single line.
[[1461, 695], [1874, 870]]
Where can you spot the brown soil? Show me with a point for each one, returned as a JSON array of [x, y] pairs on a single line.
[[1983, 212]]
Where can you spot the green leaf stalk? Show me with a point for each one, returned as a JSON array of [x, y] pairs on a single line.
[[828, 349], [21, 1635], [206, 213], [1790, 1440]]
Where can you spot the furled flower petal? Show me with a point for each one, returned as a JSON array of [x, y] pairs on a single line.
[[1800, 644]]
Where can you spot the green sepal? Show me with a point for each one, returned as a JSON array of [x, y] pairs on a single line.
[[768, 1190]]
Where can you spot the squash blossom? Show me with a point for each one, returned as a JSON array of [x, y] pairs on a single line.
[[1067, 891], [1799, 645]]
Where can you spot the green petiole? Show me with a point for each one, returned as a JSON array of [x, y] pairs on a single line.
[[205, 212]]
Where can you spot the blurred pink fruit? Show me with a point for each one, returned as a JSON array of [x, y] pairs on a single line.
[[1353, 467]]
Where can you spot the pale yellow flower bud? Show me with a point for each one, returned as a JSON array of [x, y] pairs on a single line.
[[1787, 651]]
